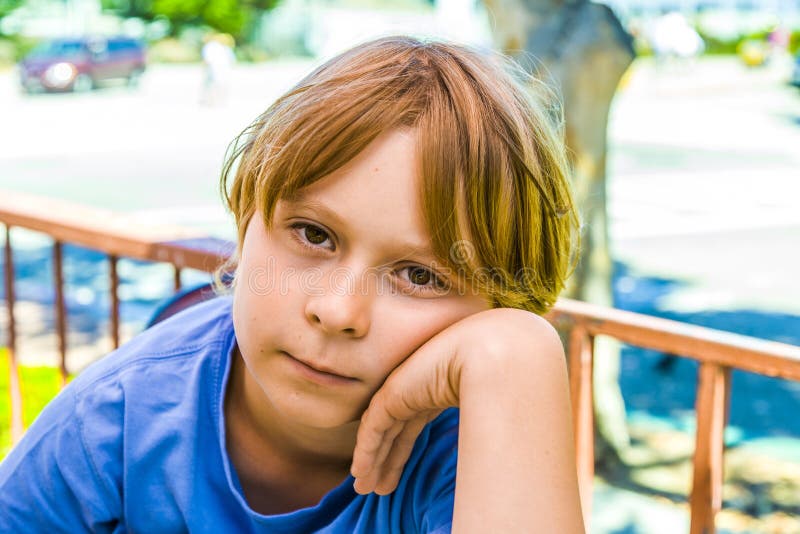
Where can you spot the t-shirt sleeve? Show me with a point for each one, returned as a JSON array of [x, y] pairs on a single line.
[[50, 482]]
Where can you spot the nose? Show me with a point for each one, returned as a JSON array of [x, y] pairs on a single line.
[[340, 311]]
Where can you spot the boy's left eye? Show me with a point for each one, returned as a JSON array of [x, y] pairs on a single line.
[[423, 279], [419, 276]]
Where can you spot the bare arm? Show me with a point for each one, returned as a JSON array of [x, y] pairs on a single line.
[[516, 463], [506, 370]]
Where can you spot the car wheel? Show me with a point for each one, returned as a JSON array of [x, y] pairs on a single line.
[[134, 78], [83, 83], [31, 89]]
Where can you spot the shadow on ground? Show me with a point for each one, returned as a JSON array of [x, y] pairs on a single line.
[[664, 386]]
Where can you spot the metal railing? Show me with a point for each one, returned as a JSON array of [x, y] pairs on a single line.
[[717, 352]]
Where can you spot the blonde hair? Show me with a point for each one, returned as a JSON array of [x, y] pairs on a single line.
[[495, 192]]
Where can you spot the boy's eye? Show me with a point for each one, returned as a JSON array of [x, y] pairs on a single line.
[[420, 276], [310, 236], [315, 235], [423, 279]]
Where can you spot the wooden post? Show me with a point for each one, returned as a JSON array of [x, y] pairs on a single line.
[[580, 379], [61, 310], [177, 277], [112, 264], [713, 395], [14, 385]]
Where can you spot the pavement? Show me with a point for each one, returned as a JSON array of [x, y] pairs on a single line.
[[705, 224]]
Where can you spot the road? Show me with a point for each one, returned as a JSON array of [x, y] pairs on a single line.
[[705, 183]]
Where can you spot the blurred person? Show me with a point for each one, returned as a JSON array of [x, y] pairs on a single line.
[[429, 396], [218, 61], [779, 40], [671, 36]]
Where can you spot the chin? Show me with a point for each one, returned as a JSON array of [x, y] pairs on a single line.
[[316, 412]]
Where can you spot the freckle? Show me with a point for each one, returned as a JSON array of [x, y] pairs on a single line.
[[376, 169]]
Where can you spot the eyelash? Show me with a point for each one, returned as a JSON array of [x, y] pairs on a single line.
[[439, 283]]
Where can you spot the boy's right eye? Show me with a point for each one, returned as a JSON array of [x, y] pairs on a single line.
[[310, 236]]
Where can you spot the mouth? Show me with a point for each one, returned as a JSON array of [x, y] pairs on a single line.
[[318, 373]]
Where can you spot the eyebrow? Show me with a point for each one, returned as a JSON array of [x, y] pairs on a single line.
[[405, 248]]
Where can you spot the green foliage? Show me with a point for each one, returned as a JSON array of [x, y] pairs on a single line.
[[226, 16], [142, 9], [39, 385], [260, 5], [179, 12], [8, 53], [172, 50], [794, 42], [7, 6], [248, 53], [235, 17], [719, 46], [14, 47], [23, 44]]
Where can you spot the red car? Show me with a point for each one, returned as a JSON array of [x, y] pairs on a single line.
[[78, 64]]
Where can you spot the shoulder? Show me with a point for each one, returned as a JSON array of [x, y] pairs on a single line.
[[166, 378], [198, 330], [162, 371], [140, 403]]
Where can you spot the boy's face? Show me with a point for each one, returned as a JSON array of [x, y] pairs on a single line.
[[340, 291]]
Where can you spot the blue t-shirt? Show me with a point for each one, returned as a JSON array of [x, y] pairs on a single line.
[[136, 443]]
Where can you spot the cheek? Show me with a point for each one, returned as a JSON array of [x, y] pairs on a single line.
[[403, 327], [257, 306]]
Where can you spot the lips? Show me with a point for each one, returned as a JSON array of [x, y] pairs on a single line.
[[320, 368]]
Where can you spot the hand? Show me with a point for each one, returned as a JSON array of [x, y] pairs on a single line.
[[426, 383]]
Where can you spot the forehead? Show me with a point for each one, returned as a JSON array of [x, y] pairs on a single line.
[[375, 196]]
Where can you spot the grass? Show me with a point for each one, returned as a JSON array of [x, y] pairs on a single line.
[[39, 384]]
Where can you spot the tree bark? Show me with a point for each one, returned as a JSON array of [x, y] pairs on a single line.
[[581, 48]]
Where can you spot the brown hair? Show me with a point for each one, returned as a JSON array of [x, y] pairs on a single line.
[[495, 194]]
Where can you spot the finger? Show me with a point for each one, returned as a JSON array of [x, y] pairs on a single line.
[[392, 468], [369, 478], [369, 439], [376, 421], [387, 445]]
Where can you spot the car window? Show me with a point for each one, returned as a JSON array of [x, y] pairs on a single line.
[[123, 46], [59, 48], [98, 46]]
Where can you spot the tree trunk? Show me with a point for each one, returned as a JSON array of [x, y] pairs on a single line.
[[582, 50]]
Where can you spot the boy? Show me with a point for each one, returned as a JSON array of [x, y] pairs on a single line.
[[403, 215]]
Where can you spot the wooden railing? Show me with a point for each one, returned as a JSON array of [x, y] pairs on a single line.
[[115, 234], [718, 352]]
